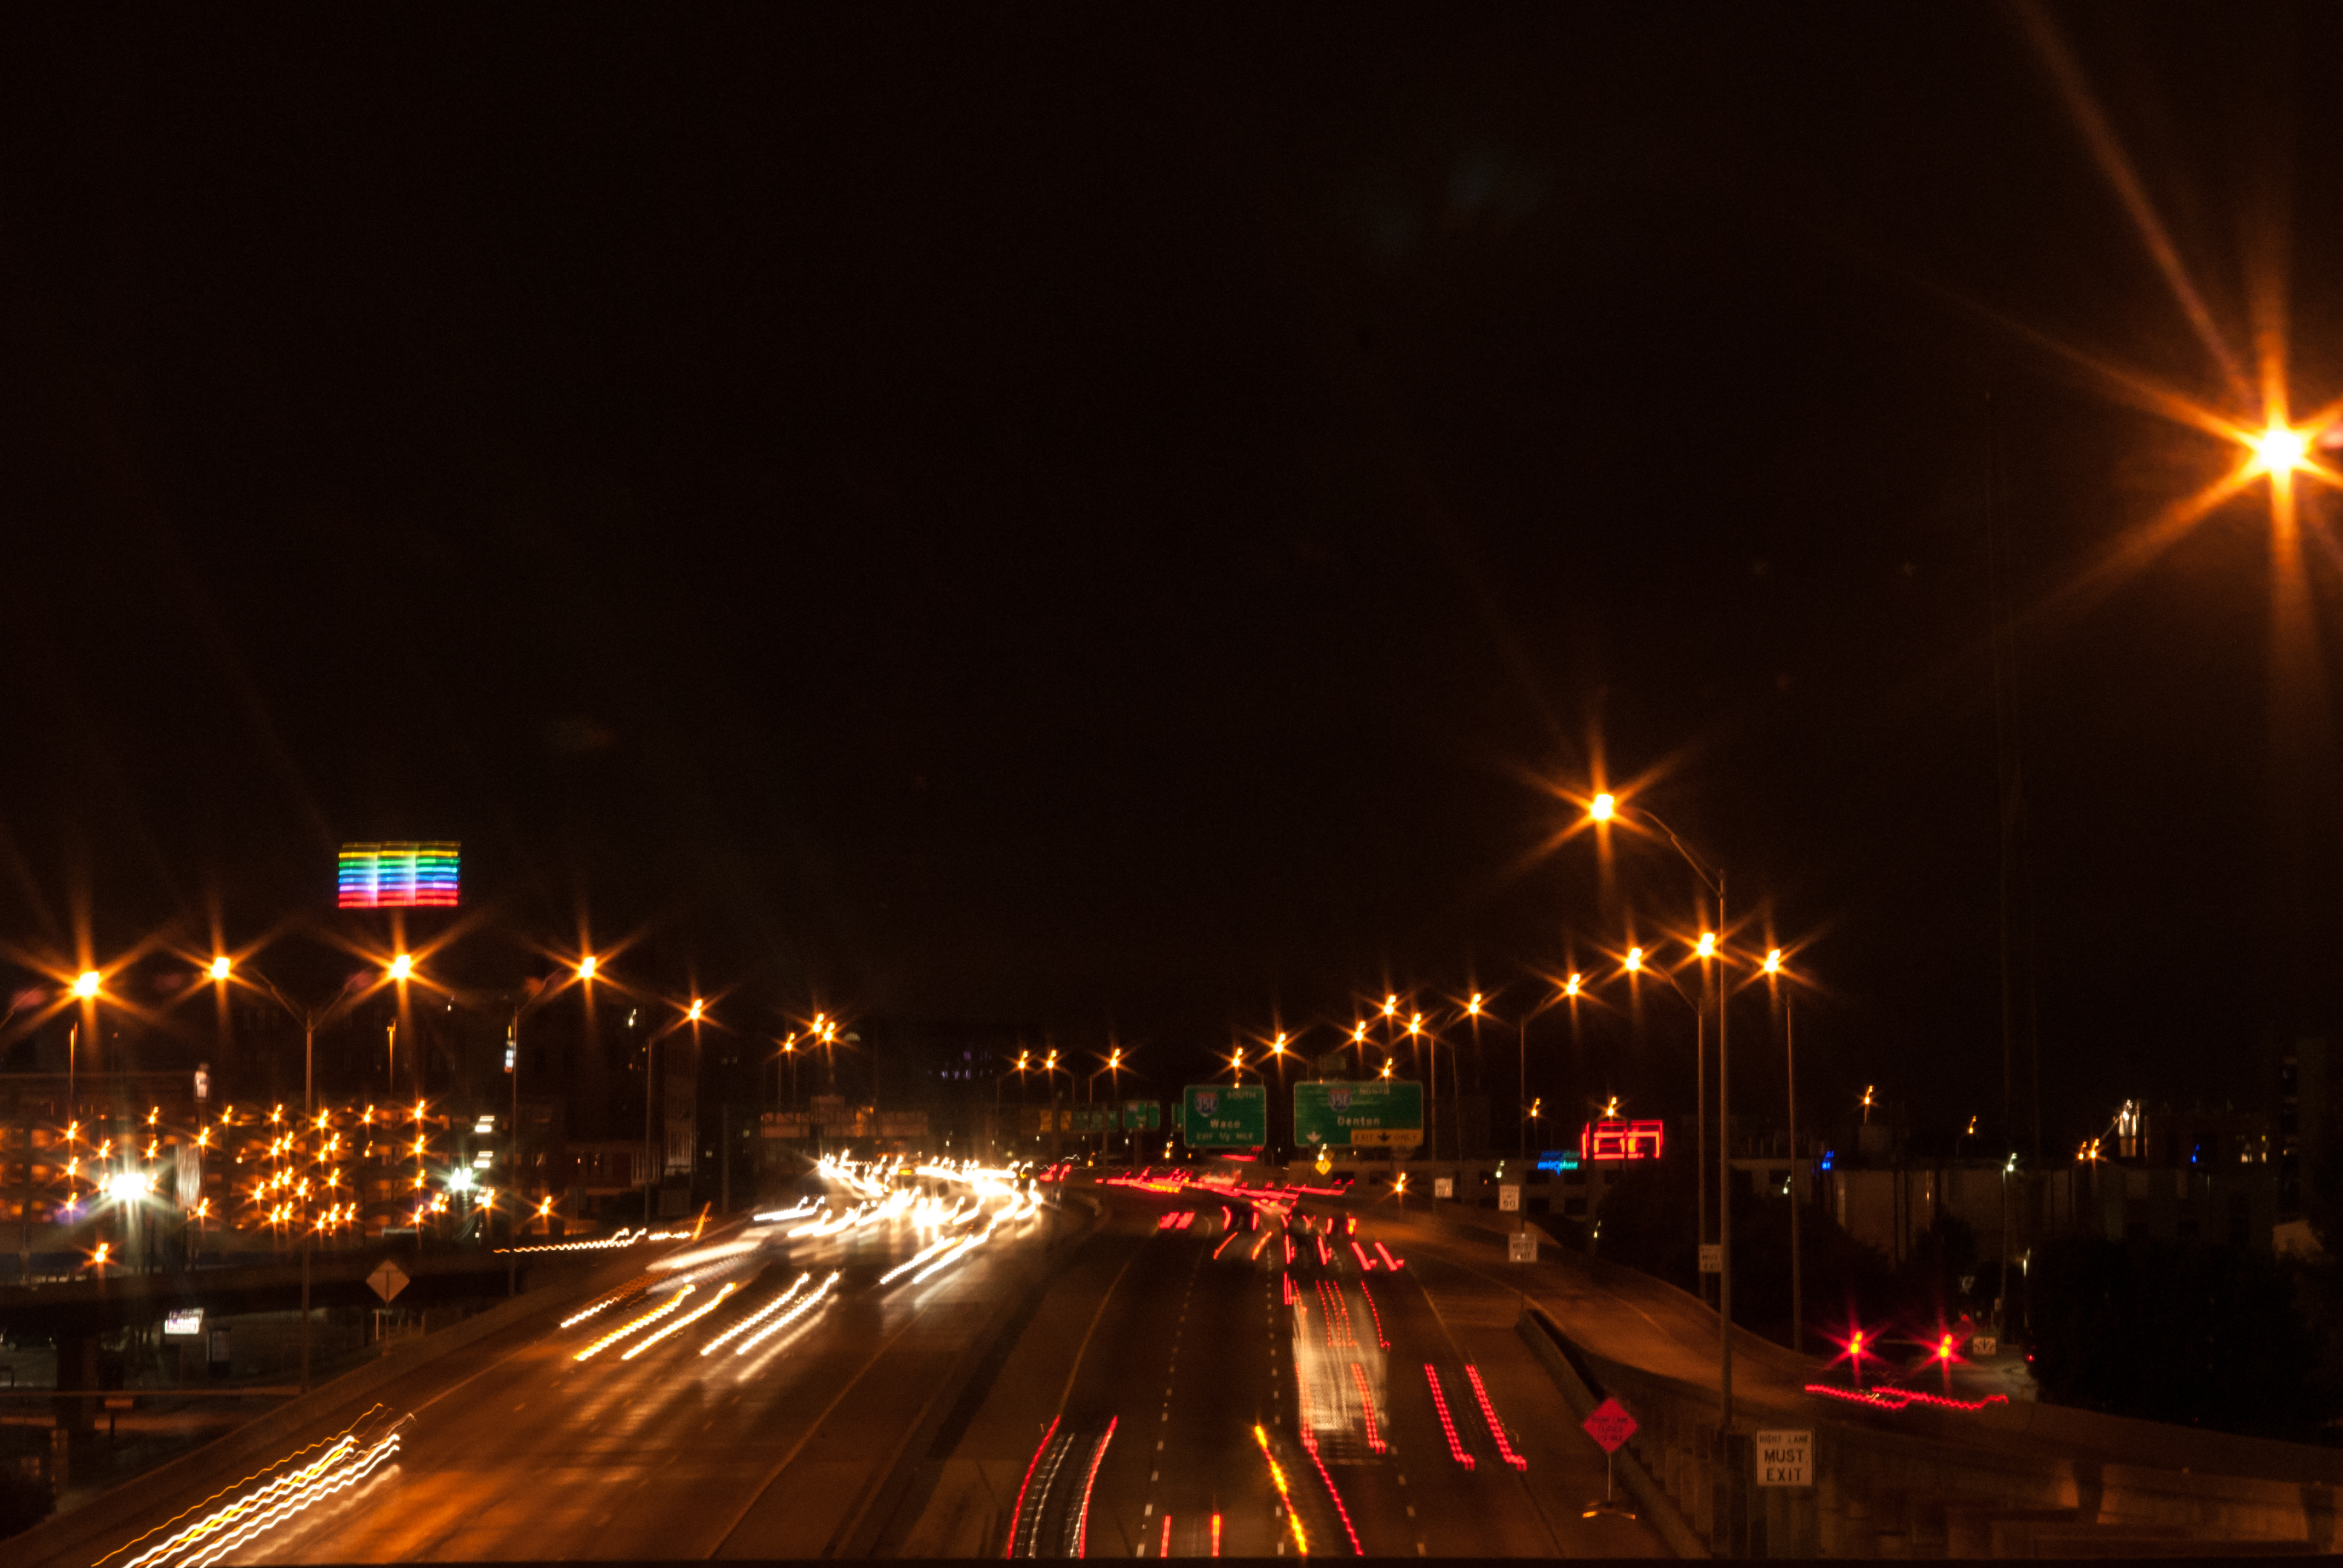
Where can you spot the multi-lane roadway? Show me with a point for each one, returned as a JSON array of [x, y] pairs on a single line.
[[746, 1394], [1242, 1372], [916, 1363]]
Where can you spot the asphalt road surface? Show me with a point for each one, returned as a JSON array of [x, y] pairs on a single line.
[[1162, 1394], [774, 1446]]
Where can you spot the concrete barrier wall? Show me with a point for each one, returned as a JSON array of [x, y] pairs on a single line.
[[1553, 1349], [1884, 1491]]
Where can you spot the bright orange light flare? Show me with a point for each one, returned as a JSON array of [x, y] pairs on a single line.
[[1390, 1006], [2279, 449], [586, 967], [402, 966], [1707, 945], [85, 984], [1358, 1034], [1570, 987], [1773, 961], [1603, 807], [1634, 960], [1387, 1070], [697, 1008], [1474, 1006], [220, 967]]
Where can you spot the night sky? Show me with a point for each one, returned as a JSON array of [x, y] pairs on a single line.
[[1061, 520]]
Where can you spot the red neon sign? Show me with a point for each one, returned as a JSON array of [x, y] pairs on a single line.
[[1615, 1137]]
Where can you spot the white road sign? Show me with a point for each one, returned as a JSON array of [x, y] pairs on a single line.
[[1786, 1458]]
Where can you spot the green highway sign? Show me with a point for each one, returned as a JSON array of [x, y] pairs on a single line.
[[1142, 1115], [1383, 1113], [1214, 1117]]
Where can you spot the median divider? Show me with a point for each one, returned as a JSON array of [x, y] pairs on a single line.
[[860, 1536]]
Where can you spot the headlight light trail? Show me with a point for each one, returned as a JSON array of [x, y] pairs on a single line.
[[693, 1316], [786, 1319], [759, 1316], [623, 1330]]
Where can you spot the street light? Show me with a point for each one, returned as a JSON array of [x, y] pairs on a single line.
[[1773, 968], [2279, 449], [583, 970], [1635, 964], [311, 1020], [86, 983], [1603, 808]]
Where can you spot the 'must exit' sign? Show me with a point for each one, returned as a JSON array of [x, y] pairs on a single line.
[[1786, 1458]]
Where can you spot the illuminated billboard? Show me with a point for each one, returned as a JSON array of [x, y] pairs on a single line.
[[397, 876], [1615, 1137]]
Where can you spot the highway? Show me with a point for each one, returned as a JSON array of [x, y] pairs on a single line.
[[764, 1426], [1198, 1372], [1184, 1332]]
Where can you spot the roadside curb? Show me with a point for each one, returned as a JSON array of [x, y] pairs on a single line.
[[1559, 1357]]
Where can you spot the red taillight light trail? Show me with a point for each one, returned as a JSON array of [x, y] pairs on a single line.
[[1381, 1342], [1489, 1414], [1165, 1549], [1340, 1512], [1389, 1262], [1216, 1535], [1898, 1397], [1367, 1405], [1031, 1465], [1366, 1262], [1082, 1519], [1447, 1424]]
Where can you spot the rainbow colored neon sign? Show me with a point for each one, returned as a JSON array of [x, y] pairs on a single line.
[[397, 876]]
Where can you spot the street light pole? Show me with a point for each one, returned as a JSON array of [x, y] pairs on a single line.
[[1797, 1275], [1724, 1179], [1601, 808]]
